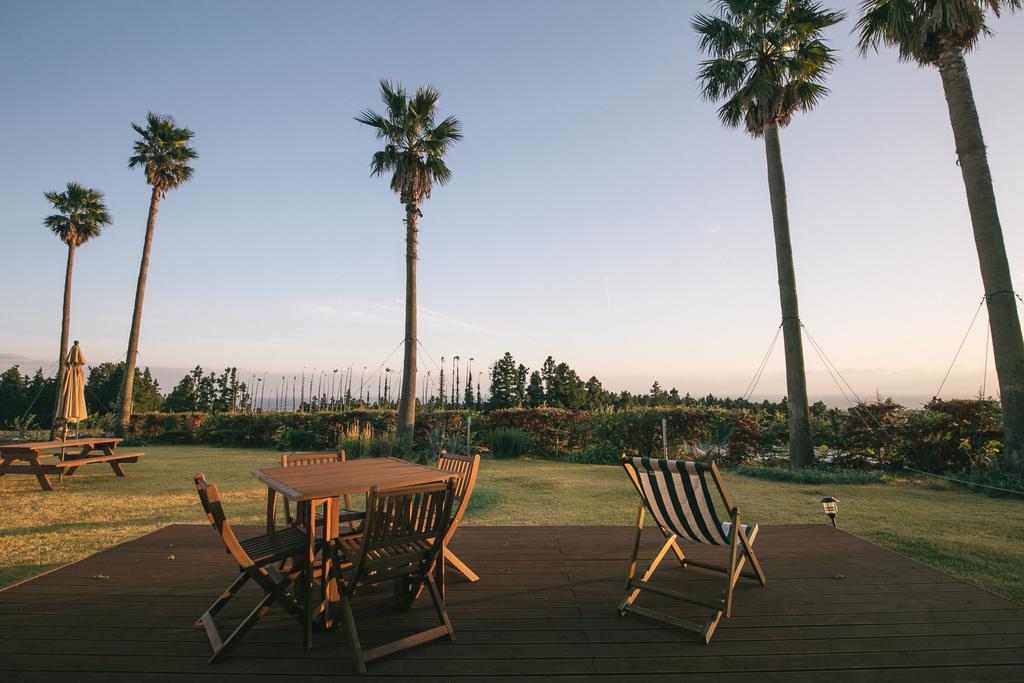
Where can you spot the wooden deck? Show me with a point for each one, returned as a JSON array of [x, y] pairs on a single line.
[[835, 608]]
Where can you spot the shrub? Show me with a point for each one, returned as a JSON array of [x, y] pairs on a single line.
[[297, 440], [555, 432], [950, 436], [811, 475], [225, 437], [175, 436], [745, 438], [596, 455], [372, 447], [870, 434], [509, 443], [437, 429], [994, 478], [638, 431], [149, 426]]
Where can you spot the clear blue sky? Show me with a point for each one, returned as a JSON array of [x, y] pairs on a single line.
[[598, 212]]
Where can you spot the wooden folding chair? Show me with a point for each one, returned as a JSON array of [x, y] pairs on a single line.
[[676, 494], [401, 541], [254, 557], [346, 515], [466, 467]]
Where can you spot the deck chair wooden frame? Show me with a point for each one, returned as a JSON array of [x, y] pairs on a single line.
[[346, 515], [676, 494], [466, 467], [401, 541], [254, 557]]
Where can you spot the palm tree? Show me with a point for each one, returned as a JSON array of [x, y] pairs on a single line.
[[767, 62], [163, 152], [414, 151], [938, 33], [81, 215]]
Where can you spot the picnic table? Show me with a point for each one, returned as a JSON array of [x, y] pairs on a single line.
[[42, 458], [314, 485]]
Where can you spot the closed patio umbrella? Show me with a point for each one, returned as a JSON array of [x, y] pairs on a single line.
[[71, 404]]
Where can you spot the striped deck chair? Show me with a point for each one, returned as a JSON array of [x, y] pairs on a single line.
[[677, 495]]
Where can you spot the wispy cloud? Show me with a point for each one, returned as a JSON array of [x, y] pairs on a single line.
[[435, 316]]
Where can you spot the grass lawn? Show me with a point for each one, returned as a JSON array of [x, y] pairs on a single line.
[[971, 536]]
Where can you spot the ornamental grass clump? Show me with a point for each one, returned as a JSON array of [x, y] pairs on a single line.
[[509, 443]]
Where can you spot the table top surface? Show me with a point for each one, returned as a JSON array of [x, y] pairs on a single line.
[[92, 441], [329, 480]]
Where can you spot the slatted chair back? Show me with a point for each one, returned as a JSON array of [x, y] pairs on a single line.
[[253, 555], [466, 467], [402, 533], [311, 459], [401, 538], [307, 459], [209, 498], [677, 494]]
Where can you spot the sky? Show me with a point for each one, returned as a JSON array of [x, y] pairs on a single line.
[[598, 210]]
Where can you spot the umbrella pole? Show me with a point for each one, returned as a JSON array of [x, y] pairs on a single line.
[[63, 437]]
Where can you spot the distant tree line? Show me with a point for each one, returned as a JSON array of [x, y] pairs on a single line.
[[556, 385], [512, 385], [28, 399]]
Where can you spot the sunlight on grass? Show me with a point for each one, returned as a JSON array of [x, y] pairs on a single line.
[[973, 537]]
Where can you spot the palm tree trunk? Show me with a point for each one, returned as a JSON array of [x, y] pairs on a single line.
[[125, 412], [801, 449], [65, 327], [407, 400], [1007, 342]]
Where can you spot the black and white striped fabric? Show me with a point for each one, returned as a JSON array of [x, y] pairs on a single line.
[[678, 496]]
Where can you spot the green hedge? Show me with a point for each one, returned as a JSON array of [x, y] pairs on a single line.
[[944, 436], [812, 475]]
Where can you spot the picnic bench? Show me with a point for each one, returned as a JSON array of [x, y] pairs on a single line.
[[42, 458]]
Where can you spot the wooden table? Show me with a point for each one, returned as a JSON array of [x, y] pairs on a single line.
[[63, 464], [314, 485]]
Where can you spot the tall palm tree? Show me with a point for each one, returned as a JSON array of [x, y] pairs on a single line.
[[414, 151], [938, 33], [163, 152], [767, 62], [81, 215]]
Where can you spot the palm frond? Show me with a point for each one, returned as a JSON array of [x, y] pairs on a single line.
[[761, 52], [439, 171], [81, 214], [415, 149], [921, 29], [394, 99], [384, 161], [163, 151], [423, 105]]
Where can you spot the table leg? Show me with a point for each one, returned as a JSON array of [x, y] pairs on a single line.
[[439, 571], [309, 508], [328, 576], [44, 481], [116, 466], [271, 510]]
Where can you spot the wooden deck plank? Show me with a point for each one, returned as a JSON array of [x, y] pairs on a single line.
[[835, 607]]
